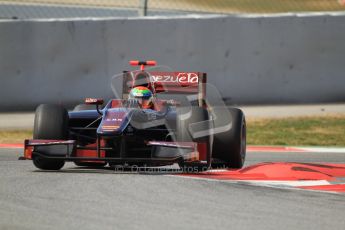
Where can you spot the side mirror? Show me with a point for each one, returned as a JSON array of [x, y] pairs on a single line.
[[94, 101]]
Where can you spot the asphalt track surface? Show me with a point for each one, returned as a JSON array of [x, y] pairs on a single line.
[[76, 198]]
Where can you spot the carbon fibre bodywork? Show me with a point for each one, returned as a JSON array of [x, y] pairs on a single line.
[[124, 133]]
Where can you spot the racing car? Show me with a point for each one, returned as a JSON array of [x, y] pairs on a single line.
[[161, 118]]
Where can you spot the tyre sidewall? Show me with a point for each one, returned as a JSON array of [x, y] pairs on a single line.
[[51, 123], [229, 146]]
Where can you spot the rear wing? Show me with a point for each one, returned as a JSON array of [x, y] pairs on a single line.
[[193, 83]]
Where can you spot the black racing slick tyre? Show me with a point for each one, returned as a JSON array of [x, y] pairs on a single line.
[[191, 122], [229, 145], [193, 126], [51, 123]]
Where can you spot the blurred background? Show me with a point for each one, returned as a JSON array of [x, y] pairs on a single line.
[[254, 51], [131, 8], [273, 58]]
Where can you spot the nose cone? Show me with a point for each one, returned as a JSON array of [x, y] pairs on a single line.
[[114, 122]]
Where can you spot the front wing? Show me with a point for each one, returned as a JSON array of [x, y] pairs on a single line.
[[162, 152]]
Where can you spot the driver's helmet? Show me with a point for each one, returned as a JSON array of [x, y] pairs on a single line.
[[143, 95]]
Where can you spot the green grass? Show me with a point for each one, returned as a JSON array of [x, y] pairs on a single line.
[[303, 131], [249, 6], [212, 6], [14, 136]]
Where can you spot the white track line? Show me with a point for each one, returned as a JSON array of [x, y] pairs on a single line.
[[323, 149], [294, 185]]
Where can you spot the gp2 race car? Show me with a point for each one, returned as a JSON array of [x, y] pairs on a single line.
[[187, 127]]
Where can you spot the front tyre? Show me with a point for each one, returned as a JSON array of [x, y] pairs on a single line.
[[47, 164], [51, 123]]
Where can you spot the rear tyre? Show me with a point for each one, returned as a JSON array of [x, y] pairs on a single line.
[[230, 146], [192, 126], [51, 123]]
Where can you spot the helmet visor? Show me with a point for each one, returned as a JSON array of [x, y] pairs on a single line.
[[144, 101]]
